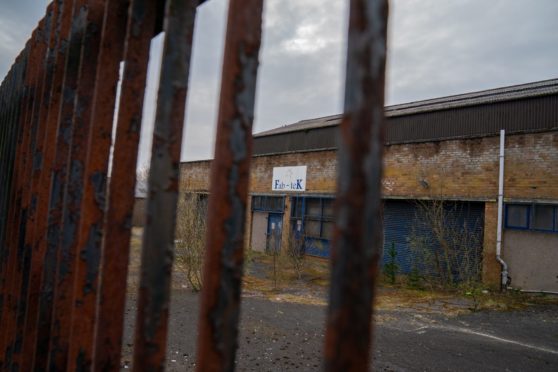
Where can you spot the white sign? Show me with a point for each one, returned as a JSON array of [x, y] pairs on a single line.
[[289, 178]]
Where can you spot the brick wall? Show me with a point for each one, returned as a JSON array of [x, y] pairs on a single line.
[[194, 176], [320, 172], [532, 166], [468, 169], [463, 169]]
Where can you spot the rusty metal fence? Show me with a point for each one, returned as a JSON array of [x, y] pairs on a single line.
[[65, 230]]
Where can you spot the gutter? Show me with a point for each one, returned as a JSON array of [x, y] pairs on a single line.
[[505, 279]]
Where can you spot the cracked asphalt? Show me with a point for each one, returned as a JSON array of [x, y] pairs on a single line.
[[287, 336]]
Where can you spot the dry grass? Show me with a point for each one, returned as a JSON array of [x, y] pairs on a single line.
[[313, 285], [312, 289], [134, 265], [513, 300]]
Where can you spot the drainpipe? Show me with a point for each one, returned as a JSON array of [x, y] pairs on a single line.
[[504, 282]]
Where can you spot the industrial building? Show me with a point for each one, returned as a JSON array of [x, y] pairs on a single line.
[[445, 149]]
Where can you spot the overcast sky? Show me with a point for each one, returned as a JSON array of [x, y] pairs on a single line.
[[437, 48]]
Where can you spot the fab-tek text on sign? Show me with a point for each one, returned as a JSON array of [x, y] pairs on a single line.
[[289, 178]]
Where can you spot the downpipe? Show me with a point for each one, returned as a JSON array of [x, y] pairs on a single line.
[[505, 279]]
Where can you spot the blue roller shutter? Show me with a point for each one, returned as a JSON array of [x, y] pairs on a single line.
[[403, 221], [398, 221]]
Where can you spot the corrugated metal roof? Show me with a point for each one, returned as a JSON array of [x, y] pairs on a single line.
[[530, 90], [326, 121]]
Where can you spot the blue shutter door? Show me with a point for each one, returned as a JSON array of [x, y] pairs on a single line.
[[402, 222], [398, 222]]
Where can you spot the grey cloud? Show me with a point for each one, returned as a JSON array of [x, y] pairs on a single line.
[[437, 48], [295, 84], [441, 48]]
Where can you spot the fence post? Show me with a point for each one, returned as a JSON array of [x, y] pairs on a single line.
[[39, 193], [55, 347], [29, 201], [158, 239], [357, 239], [220, 302], [17, 220]]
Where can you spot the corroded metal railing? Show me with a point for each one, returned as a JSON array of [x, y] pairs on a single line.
[[65, 230]]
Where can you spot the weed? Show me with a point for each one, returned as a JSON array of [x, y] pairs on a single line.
[[391, 268], [414, 279], [295, 255]]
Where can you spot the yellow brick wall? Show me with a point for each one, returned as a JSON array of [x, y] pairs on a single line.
[[320, 177], [468, 169], [450, 169], [531, 169], [194, 176], [461, 169], [465, 169]]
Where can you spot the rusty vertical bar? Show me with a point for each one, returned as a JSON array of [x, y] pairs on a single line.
[[12, 118], [158, 240], [37, 327], [15, 98], [15, 94], [81, 123], [38, 185], [6, 144], [7, 93], [41, 182], [12, 85], [40, 309], [29, 201], [86, 258], [19, 104], [59, 328], [4, 134], [117, 225], [18, 217], [220, 303], [82, 342], [357, 242], [10, 129], [10, 96], [4, 153]]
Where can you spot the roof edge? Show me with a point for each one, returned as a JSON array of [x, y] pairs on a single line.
[[494, 95]]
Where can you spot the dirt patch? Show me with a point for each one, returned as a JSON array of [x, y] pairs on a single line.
[[285, 284]]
